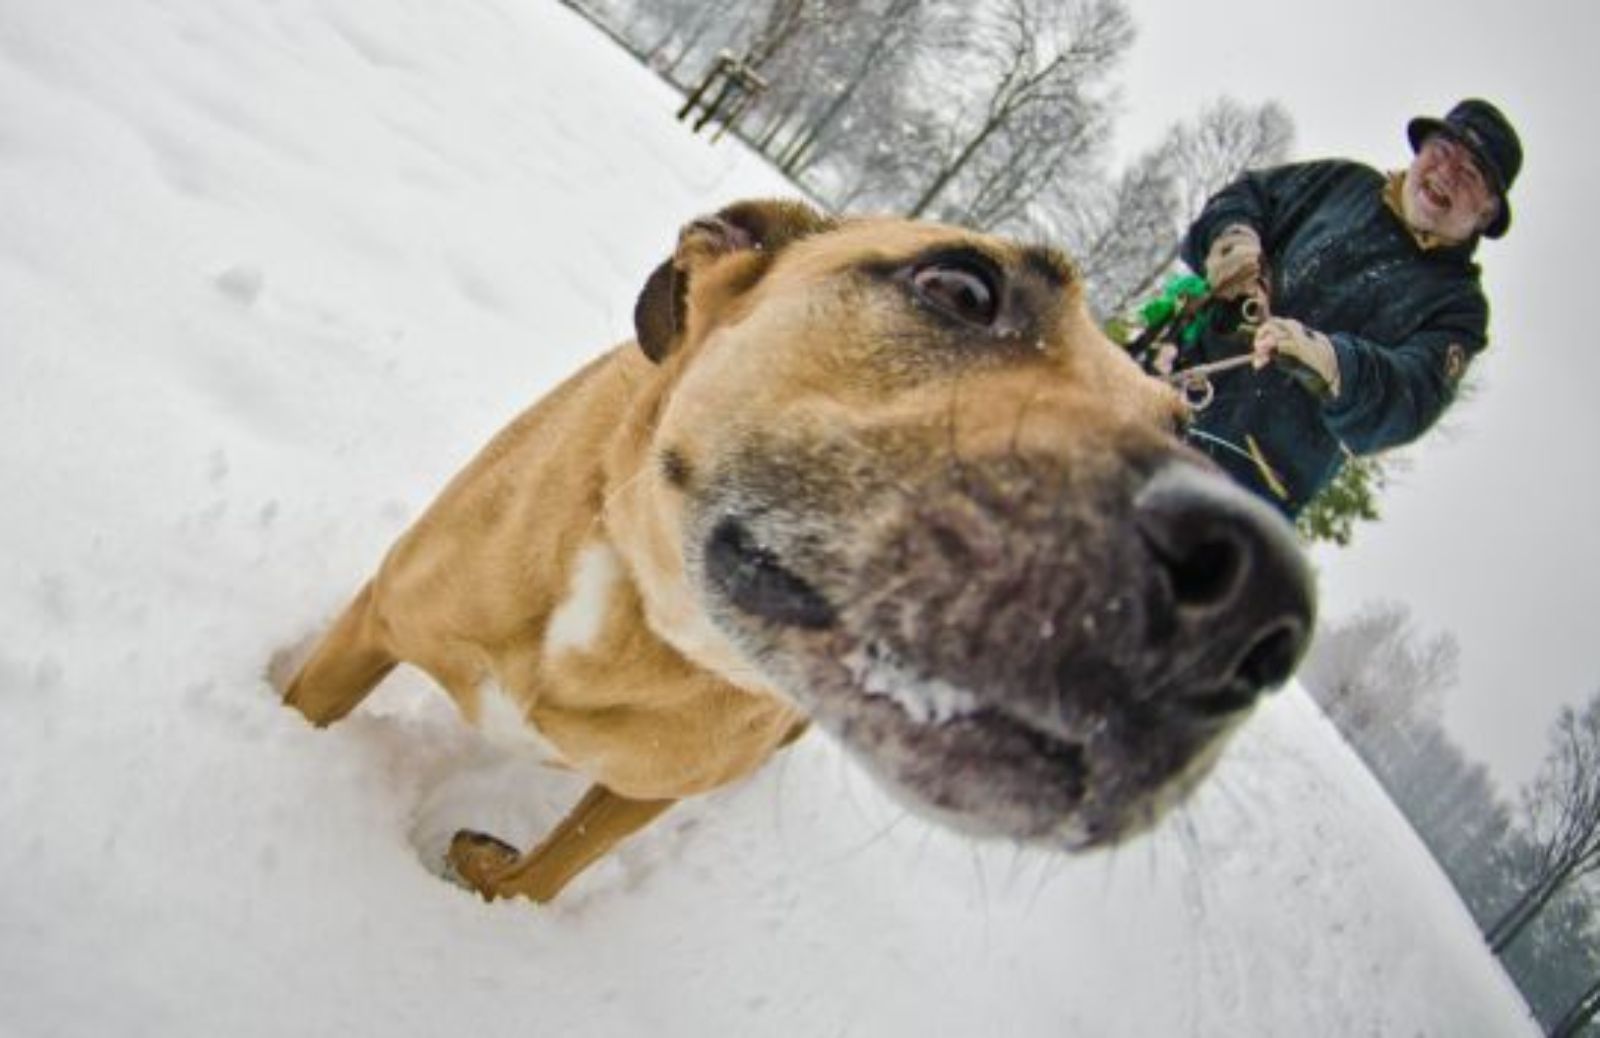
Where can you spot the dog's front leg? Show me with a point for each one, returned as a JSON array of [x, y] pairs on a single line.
[[347, 663], [601, 820]]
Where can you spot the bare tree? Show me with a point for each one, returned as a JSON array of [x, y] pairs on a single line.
[[1228, 138], [1562, 808], [664, 33], [892, 33], [1044, 62], [786, 21], [1119, 230], [1584, 1008], [821, 67], [1380, 682], [1033, 152], [1556, 960], [1127, 231], [673, 34], [1201, 157], [995, 115]]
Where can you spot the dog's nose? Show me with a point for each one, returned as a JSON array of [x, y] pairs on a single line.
[[1238, 588]]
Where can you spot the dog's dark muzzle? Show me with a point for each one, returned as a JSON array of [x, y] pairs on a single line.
[[1186, 588], [1029, 651]]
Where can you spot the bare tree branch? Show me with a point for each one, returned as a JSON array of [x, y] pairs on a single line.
[[1562, 810]]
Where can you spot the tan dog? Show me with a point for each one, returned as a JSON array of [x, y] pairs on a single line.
[[883, 475]]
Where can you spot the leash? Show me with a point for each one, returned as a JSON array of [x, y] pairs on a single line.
[[1254, 456], [1176, 318], [1179, 310], [1195, 386], [1195, 383]]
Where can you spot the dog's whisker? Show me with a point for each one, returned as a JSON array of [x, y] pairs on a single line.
[[855, 850], [1013, 448], [983, 889], [1048, 871], [1225, 791], [610, 497], [1014, 872], [951, 419]]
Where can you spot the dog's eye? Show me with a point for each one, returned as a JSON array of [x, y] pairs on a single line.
[[961, 289]]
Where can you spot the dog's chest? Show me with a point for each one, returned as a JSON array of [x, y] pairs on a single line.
[[629, 709], [579, 621]]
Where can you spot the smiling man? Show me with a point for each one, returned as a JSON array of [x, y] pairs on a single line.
[[1374, 303]]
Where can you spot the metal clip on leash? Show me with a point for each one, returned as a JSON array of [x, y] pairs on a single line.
[[1195, 385]]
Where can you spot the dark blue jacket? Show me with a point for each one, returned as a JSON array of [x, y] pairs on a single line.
[[1404, 322]]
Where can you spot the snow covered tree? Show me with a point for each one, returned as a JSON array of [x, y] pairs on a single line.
[[1027, 93], [1373, 674], [1381, 683], [1521, 876], [1126, 231], [995, 115], [876, 47]]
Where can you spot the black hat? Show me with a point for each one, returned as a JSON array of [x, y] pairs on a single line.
[[1482, 129]]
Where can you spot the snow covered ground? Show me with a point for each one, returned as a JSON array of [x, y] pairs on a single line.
[[269, 272]]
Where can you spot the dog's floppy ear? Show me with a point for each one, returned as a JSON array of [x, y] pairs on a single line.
[[759, 228], [656, 323]]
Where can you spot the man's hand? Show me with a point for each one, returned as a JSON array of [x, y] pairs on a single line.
[[1305, 354], [1233, 266]]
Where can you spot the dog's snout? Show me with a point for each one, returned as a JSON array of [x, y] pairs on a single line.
[[1235, 579]]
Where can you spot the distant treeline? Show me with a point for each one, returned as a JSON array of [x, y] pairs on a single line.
[[1525, 871]]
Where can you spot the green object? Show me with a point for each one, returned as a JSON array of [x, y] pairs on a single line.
[[1351, 498], [1177, 294]]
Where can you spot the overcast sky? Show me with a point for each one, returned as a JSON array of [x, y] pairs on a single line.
[[1494, 534]]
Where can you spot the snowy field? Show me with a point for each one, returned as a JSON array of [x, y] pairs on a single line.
[[269, 273]]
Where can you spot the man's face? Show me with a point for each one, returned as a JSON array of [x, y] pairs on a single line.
[[1446, 193]]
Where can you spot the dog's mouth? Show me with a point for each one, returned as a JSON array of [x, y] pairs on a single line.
[[957, 755], [948, 747], [752, 578]]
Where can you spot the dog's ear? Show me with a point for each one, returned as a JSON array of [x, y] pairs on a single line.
[[757, 230], [656, 321]]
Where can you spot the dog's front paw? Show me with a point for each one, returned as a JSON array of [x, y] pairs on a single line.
[[286, 661], [475, 859]]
